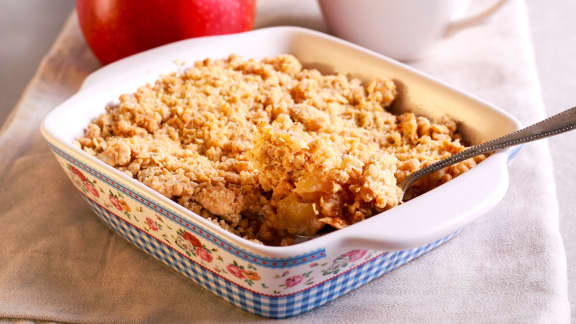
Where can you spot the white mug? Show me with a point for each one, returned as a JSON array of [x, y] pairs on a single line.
[[401, 29]]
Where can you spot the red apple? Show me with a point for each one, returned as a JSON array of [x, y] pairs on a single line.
[[117, 28]]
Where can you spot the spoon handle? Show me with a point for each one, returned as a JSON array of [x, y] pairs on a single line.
[[554, 125]]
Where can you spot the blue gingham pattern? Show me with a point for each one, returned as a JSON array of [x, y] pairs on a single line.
[[281, 306]]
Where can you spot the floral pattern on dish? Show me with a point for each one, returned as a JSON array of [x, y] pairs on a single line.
[[248, 273], [82, 182], [344, 261], [193, 247]]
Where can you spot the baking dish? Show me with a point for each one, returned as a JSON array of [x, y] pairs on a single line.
[[280, 282]]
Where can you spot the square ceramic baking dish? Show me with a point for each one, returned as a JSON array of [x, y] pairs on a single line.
[[280, 282]]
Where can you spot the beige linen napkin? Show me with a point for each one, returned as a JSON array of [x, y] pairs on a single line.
[[57, 262]]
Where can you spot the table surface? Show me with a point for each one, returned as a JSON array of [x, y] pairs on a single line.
[[38, 22]]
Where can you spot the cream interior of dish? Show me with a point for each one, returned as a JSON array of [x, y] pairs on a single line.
[[270, 150]]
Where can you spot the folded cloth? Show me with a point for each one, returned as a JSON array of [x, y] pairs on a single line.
[[58, 262]]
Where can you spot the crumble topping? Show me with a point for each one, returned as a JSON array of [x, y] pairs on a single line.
[[268, 149]]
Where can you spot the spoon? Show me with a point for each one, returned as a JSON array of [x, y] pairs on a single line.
[[554, 125]]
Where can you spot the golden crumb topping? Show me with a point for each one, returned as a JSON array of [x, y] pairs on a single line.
[[270, 150]]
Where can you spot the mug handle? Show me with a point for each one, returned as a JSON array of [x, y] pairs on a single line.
[[474, 20]]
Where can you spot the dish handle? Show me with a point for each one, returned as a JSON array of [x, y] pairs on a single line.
[[435, 214]]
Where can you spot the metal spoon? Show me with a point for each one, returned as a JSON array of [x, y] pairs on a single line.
[[554, 125]]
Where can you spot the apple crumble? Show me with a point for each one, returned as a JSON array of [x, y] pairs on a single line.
[[268, 149]]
